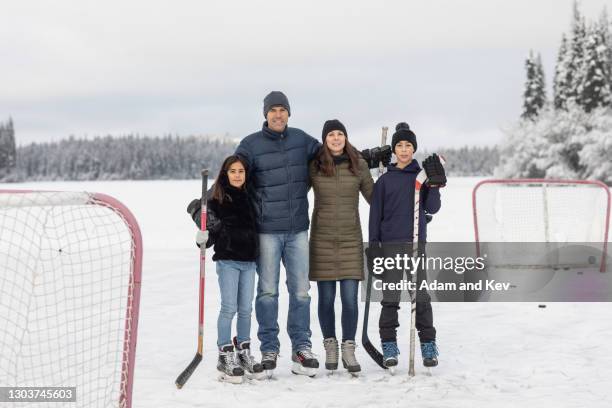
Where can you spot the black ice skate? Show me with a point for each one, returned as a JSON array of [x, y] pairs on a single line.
[[229, 370], [304, 363], [252, 369], [268, 362]]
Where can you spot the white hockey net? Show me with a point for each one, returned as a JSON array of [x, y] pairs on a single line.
[[70, 267], [550, 211]]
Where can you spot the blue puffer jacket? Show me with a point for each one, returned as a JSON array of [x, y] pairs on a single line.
[[392, 205], [278, 172]]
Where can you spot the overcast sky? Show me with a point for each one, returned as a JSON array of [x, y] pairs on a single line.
[[453, 69]]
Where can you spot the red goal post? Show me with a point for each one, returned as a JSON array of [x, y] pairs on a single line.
[[71, 266]]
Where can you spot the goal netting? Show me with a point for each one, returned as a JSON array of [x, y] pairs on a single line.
[[70, 266], [542, 211]]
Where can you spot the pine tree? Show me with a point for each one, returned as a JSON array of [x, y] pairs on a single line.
[[8, 156], [560, 85], [541, 82], [575, 71], [534, 95], [604, 28], [595, 86]]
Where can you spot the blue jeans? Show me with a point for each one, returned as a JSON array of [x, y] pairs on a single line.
[[350, 309], [237, 285], [292, 249]]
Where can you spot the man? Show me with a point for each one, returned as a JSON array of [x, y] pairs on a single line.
[[278, 158]]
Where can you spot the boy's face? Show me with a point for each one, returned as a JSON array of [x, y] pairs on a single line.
[[404, 152], [277, 118]]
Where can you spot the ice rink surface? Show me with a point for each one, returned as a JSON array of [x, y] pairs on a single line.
[[491, 354]]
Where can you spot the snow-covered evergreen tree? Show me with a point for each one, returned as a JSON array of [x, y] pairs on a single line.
[[547, 148], [8, 153], [595, 156], [605, 28], [534, 94], [595, 86], [575, 67], [573, 137], [560, 84], [519, 153]]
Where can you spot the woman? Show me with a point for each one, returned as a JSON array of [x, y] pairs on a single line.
[[337, 175]]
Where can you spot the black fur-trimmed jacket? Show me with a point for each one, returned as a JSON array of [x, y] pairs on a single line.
[[231, 226]]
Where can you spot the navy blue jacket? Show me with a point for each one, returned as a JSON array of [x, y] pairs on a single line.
[[278, 172], [392, 205]]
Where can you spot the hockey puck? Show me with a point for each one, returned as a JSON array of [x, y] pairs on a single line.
[[542, 306]]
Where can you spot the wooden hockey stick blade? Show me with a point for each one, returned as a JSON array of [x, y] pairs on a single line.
[[184, 376]]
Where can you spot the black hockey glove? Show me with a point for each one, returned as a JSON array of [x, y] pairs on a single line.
[[377, 155], [436, 177], [213, 224], [194, 208]]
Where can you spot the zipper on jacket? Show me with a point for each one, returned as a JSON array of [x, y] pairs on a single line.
[[337, 240], [282, 139]]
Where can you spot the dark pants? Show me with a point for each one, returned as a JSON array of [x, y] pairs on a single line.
[[388, 322], [350, 310]]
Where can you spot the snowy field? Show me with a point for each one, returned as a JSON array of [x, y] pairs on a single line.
[[491, 354]]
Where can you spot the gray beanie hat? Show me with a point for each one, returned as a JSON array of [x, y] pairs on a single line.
[[275, 98]]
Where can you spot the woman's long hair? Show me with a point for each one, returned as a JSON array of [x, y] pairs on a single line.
[[222, 181], [325, 160]]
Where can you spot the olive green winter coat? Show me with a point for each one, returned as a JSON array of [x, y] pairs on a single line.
[[336, 243]]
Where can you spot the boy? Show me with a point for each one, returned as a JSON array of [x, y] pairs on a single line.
[[391, 222]]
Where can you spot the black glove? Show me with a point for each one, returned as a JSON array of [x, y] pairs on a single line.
[[377, 155], [194, 208], [436, 177]]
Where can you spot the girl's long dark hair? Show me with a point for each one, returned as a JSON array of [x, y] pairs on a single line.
[[325, 160], [222, 181]]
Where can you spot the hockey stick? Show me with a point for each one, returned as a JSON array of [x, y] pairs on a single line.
[[418, 183], [184, 376], [421, 178], [365, 340]]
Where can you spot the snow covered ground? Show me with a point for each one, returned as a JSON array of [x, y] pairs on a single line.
[[491, 354]]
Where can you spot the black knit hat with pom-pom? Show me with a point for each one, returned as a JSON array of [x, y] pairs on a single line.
[[403, 132]]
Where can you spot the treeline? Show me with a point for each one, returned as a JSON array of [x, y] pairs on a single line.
[[134, 157], [467, 160], [130, 157]]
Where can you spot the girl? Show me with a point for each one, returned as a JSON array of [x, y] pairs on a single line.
[[391, 222], [231, 229], [337, 176]]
